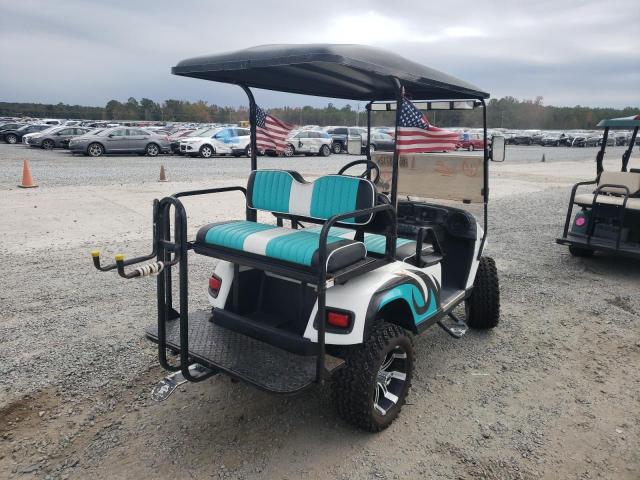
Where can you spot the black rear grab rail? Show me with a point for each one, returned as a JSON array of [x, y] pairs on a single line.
[[571, 203]]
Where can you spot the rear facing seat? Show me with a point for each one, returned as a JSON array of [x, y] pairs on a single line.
[[285, 192], [615, 195]]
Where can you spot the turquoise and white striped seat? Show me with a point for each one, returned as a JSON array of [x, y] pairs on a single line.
[[285, 192]]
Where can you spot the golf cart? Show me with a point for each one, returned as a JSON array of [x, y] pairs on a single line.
[[336, 284], [609, 216]]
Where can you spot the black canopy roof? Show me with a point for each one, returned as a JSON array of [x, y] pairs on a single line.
[[353, 72]]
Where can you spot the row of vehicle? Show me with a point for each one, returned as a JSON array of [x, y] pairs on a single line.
[[568, 139]]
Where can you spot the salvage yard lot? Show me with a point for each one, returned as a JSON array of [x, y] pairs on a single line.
[[551, 393]]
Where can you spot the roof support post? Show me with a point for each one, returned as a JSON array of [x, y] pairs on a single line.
[[627, 154], [368, 152], [251, 215], [394, 166], [600, 156], [485, 178]]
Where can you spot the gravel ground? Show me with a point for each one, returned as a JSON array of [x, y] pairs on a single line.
[[551, 393]]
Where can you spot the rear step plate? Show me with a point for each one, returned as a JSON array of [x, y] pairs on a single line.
[[263, 365]]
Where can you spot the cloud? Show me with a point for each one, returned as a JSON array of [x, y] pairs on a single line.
[[87, 52]]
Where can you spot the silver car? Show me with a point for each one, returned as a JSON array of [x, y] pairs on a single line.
[[120, 140]]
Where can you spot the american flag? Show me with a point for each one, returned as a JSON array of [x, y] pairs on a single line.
[[271, 133], [416, 135]]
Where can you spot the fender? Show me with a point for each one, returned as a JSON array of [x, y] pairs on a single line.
[[417, 290]]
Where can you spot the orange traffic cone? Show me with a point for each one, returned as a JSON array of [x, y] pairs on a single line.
[[27, 181], [163, 176]]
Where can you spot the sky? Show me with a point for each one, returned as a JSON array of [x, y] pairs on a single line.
[[87, 52]]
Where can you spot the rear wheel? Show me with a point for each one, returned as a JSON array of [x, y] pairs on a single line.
[[247, 151], [95, 150], [580, 251], [483, 306], [337, 148], [471, 147], [325, 151], [11, 139], [48, 145], [206, 151], [371, 388], [152, 150]]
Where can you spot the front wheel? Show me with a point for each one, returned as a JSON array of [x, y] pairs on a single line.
[[371, 388], [483, 306], [289, 151], [48, 145], [95, 150], [337, 148], [325, 151], [152, 150], [206, 151]]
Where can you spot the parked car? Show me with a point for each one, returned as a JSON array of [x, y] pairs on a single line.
[[25, 138], [552, 140], [9, 126], [14, 135], [309, 142], [381, 142], [472, 141], [176, 137], [340, 136], [56, 137], [220, 141], [120, 140]]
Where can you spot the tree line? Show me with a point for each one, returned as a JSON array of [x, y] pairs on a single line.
[[506, 112]]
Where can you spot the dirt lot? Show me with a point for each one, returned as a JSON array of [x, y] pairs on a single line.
[[553, 392]]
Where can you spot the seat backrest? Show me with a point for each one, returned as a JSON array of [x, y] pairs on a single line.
[[283, 191], [631, 180]]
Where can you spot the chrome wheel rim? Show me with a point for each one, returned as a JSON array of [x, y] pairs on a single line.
[[288, 151], [206, 152], [390, 380], [47, 145], [152, 150], [11, 139], [325, 151], [95, 150], [337, 148]]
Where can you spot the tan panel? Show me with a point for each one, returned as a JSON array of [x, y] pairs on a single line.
[[447, 176]]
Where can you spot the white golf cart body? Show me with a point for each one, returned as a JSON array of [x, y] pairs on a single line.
[[344, 265]]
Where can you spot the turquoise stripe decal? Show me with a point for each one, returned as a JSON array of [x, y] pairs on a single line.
[[413, 296], [297, 247], [377, 243], [271, 190], [233, 235], [334, 195]]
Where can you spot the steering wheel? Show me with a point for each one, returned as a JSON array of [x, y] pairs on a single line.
[[371, 165]]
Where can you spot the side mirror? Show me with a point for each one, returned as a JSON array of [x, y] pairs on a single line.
[[498, 148]]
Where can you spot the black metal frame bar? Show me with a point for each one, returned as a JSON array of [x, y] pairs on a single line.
[[627, 154], [600, 155]]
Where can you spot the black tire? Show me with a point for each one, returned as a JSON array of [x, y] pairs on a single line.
[[95, 150], [206, 151], [48, 144], [336, 148], [289, 151], [483, 306], [152, 150], [11, 139], [356, 386], [325, 151], [580, 251]]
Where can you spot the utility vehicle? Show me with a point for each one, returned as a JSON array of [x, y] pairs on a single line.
[[347, 271], [608, 219]]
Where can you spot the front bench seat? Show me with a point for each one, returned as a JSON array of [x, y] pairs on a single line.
[[293, 246]]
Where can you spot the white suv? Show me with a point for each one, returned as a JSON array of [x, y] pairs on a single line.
[[218, 141], [309, 142]]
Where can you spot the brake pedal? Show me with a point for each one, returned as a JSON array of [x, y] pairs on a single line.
[[456, 330], [165, 387]]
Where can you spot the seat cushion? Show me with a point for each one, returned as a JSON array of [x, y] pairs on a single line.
[[631, 180], [298, 247], [286, 192], [586, 199], [376, 244]]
